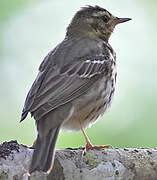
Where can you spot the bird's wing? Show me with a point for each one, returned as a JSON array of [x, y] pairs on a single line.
[[55, 86]]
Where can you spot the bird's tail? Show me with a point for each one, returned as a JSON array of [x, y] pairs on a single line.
[[43, 156]]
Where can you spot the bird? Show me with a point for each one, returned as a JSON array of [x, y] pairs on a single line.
[[75, 83]]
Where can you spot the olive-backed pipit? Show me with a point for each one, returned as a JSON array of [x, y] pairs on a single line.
[[75, 83]]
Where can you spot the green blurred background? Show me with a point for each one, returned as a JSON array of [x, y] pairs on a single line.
[[30, 29]]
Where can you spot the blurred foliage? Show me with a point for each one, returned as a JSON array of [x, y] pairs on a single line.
[[8, 7], [30, 29]]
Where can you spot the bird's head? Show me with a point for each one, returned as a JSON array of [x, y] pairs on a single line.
[[94, 21]]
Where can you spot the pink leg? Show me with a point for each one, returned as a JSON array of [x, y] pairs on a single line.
[[89, 145]]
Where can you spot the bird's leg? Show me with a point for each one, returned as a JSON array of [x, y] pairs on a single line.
[[89, 145]]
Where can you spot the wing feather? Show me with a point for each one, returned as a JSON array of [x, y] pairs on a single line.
[[55, 85]]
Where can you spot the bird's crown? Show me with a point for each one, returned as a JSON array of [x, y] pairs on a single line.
[[95, 11]]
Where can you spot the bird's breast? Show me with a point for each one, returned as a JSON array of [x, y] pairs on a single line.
[[89, 107]]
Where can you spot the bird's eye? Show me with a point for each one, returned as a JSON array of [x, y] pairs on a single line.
[[105, 18]]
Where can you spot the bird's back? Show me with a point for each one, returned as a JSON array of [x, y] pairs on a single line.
[[52, 80]]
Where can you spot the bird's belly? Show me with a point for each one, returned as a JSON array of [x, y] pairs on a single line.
[[89, 107]]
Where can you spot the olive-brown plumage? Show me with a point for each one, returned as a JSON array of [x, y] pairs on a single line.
[[75, 83]]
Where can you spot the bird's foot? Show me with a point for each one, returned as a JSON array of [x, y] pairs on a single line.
[[89, 146]]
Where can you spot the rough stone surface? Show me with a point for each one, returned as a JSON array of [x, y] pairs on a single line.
[[14, 160], [7, 147], [70, 164]]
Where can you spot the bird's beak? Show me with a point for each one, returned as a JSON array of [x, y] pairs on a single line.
[[121, 20]]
